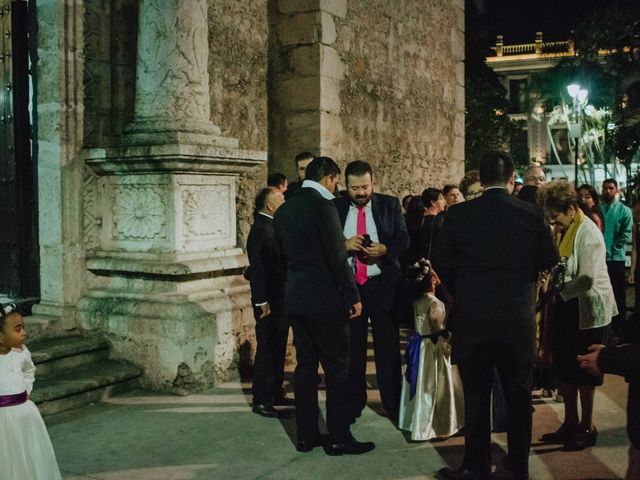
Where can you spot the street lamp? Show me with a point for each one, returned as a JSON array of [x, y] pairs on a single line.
[[579, 97]]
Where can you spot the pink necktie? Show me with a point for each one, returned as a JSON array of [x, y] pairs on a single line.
[[361, 229]]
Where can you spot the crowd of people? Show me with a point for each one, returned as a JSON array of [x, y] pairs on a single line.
[[510, 282]]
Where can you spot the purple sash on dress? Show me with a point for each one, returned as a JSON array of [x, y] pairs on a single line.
[[11, 400]]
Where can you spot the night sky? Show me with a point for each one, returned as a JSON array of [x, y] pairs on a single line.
[[519, 20]]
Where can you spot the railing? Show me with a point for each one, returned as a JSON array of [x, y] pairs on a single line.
[[563, 48]]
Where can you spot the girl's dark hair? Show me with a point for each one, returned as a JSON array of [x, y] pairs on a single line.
[[420, 276], [430, 195], [5, 310], [592, 191], [415, 213]]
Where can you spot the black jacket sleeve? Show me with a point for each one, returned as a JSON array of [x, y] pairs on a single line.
[[400, 241], [623, 360], [335, 252], [257, 272]]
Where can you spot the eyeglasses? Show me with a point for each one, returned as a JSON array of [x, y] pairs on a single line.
[[472, 195], [541, 178]]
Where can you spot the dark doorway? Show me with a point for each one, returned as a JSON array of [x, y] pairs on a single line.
[[19, 258]]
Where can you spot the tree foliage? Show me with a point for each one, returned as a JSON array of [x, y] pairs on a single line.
[[487, 123]]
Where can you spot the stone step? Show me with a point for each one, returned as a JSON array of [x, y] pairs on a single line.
[[68, 352], [64, 389]]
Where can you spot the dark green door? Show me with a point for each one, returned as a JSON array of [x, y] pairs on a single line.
[[19, 259]]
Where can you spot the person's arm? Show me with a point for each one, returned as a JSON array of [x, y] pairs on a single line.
[[547, 250], [28, 370], [623, 233], [590, 256], [400, 240], [634, 258], [623, 360], [258, 278], [442, 255], [332, 240]]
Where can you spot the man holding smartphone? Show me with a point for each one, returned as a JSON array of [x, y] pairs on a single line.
[[376, 236]]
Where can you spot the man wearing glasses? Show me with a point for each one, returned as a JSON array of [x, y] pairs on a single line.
[[535, 176]]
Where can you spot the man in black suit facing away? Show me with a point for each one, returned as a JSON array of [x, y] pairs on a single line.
[[489, 253], [266, 275], [320, 299], [376, 267]]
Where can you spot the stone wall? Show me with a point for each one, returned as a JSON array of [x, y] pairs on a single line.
[[402, 97], [380, 81], [238, 72]]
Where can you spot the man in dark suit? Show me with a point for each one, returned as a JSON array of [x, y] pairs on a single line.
[[320, 299], [489, 253], [379, 216], [266, 275]]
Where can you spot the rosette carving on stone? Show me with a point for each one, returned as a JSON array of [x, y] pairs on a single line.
[[139, 213], [206, 211]]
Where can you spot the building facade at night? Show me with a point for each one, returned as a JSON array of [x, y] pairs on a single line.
[[514, 65], [137, 132]]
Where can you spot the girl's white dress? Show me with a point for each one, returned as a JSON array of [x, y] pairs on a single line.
[[25, 449], [437, 407]]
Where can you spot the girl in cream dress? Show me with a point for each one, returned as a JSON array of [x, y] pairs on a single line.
[[432, 402]]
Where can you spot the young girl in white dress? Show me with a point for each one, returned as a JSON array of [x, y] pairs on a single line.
[[25, 449], [432, 402]]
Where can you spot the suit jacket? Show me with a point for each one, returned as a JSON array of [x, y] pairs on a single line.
[[488, 254], [319, 280], [267, 268], [625, 361], [392, 231]]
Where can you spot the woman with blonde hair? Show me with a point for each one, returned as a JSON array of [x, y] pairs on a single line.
[[584, 306]]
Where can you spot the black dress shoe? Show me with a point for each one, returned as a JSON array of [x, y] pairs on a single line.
[[350, 446], [265, 410], [580, 440], [308, 445], [461, 474], [561, 435], [284, 401], [506, 471]]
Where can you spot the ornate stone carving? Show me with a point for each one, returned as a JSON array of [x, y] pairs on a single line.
[[172, 78], [206, 211], [139, 212]]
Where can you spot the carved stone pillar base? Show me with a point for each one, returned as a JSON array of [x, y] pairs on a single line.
[[187, 324], [167, 287]]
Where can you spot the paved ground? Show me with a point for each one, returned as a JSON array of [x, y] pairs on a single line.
[[214, 435]]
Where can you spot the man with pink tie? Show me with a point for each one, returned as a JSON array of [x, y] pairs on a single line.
[[376, 237]]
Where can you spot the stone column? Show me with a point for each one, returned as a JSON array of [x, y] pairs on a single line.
[[304, 97], [172, 82], [167, 288], [58, 146]]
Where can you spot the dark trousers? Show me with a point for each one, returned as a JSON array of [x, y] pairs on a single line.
[[268, 366], [386, 351], [325, 339], [516, 376], [618, 282]]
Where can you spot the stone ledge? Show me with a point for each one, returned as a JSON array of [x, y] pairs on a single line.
[[187, 158], [167, 268]]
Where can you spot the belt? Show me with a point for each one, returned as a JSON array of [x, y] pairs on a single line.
[[11, 400]]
